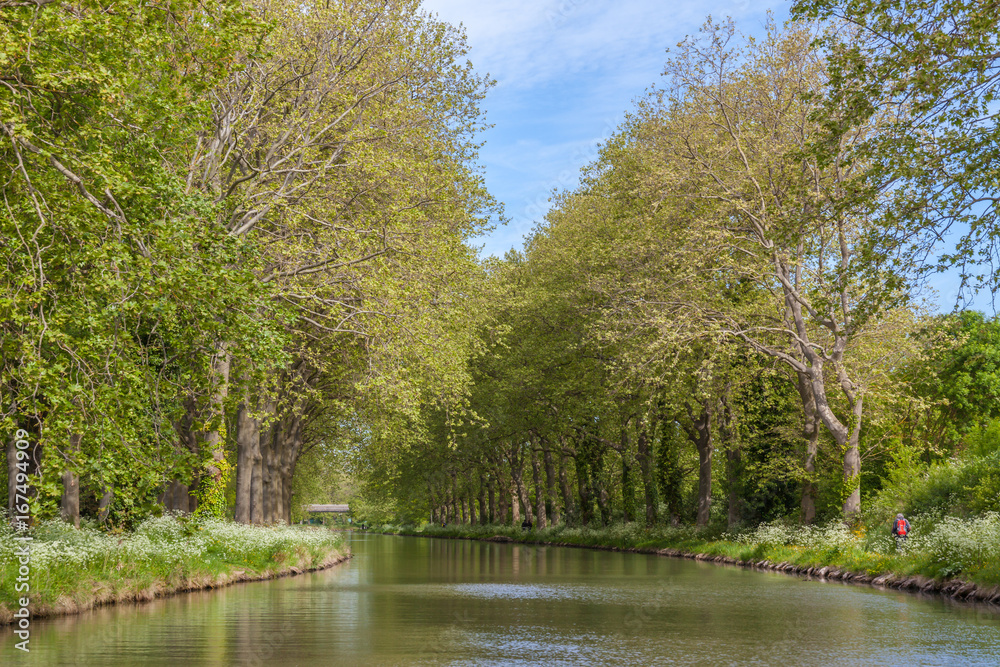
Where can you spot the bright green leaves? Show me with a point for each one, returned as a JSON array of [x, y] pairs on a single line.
[[930, 71], [113, 283]]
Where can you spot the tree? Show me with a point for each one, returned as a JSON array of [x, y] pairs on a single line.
[[733, 129], [931, 70], [102, 249]]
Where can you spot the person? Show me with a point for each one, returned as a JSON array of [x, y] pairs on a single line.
[[526, 524], [900, 529]]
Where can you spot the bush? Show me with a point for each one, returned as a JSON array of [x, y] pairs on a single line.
[[961, 486]]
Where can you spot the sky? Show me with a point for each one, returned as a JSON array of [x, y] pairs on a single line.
[[566, 73]]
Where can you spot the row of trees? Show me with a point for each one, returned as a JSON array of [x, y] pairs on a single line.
[[235, 242], [733, 291], [227, 229]]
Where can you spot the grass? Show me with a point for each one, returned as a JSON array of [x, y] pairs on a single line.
[[940, 548], [72, 570]]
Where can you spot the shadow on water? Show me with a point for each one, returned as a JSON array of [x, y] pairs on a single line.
[[403, 601]]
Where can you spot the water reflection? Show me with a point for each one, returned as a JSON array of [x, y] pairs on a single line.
[[423, 601]]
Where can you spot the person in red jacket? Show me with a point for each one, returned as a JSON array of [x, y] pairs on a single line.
[[900, 528]]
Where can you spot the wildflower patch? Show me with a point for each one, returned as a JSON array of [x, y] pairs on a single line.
[[89, 567]]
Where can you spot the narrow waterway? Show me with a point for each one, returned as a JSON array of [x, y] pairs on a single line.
[[417, 601]]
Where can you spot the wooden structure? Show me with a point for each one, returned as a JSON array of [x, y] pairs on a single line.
[[328, 509]]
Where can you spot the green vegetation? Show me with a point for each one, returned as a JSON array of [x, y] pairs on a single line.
[[235, 236], [76, 569]]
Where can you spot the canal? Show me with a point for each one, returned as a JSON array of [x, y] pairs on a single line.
[[417, 601]]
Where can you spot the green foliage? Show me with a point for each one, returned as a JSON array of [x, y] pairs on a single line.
[[930, 71], [674, 462], [963, 485], [211, 493], [772, 475], [982, 440], [114, 279], [955, 382], [152, 226]]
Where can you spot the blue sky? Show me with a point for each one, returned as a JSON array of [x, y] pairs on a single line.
[[566, 72]]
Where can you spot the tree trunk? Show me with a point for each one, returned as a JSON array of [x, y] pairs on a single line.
[[517, 476], [552, 507], [484, 517], [277, 494], [247, 460], [846, 438], [493, 505], [286, 499], [540, 518], [700, 433], [645, 459], [669, 473], [179, 495], [503, 494], [852, 476], [289, 444], [567, 492], [271, 484], [456, 512], [628, 488], [597, 489], [69, 504], [583, 488], [104, 504], [727, 430], [601, 494], [214, 438], [810, 433], [257, 489]]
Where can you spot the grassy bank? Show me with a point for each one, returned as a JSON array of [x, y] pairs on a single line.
[[942, 553], [74, 570]]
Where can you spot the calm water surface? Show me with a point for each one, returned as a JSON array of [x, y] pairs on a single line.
[[417, 601]]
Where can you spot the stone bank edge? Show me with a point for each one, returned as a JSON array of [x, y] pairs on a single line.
[[956, 589]]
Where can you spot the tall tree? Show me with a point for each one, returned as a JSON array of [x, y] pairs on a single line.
[[930, 70], [732, 129]]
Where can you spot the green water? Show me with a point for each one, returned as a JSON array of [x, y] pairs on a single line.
[[416, 601]]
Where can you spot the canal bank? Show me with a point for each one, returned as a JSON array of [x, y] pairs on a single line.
[[837, 555], [403, 601], [63, 570]]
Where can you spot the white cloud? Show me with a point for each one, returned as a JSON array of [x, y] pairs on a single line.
[[567, 70]]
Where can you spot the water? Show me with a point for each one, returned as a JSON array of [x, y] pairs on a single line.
[[416, 601]]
